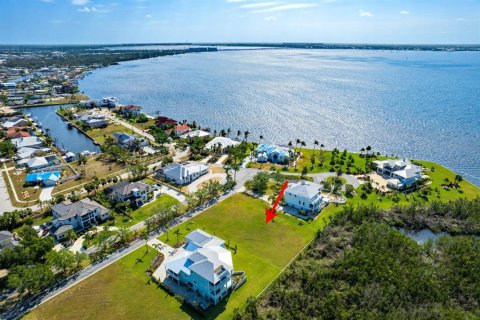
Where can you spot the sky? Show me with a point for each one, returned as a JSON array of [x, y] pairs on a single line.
[[159, 21]]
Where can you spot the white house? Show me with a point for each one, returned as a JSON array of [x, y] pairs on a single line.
[[129, 140], [136, 192], [205, 266], [196, 133], [37, 163], [305, 196], [184, 173], [400, 174], [16, 123], [77, 216], [31, 142], [222, 142]]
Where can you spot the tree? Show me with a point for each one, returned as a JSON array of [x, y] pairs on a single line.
[[32, 278], [62, 260], [304, 171], [123, 236], [349, 190], [178, 233], [315, 144], [7, 149], [245, 135], [259, 183]]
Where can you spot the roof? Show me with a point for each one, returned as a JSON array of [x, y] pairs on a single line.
[[43, 176], [7, 240], [63, 229], [27, 152], [180, 171], [68, 209], [182, 127], [132, 107], [208, 260], [37, 162], [196, 133], [304, 189], [223, 141], [26, 142], [125, 188], [165, 121]]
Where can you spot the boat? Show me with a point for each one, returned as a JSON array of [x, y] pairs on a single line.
[[70, 125]]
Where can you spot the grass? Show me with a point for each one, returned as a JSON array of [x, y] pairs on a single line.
[[263, 249], [304, 161], [145, 212], [150, 181], [18, 183], [142, 126], [99, 135], [95, 240], [121, 291]]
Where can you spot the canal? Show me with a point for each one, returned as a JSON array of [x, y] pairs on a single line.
[[68, 139]]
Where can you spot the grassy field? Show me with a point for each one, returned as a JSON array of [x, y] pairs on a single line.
[[121, 291], [145, 212], [99, 135], [304, 161], [21, 191], [263, 249]]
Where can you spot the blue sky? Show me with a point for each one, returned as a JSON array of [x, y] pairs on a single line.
[[340, 21]]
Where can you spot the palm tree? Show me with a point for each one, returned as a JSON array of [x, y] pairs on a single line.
[[245, 135], [228, 132], [239, 133], [178, 233], [315, 144], [362, 151], [261, 138], [145, 237], [368, 149]]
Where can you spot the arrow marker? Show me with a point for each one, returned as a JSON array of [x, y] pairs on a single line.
[[270, 213]]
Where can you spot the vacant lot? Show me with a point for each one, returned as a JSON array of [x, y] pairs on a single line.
[[120, 291], [100, 135]]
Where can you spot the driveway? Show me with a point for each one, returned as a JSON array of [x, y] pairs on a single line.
[[46, 194], [168, 252], [221, 177], [173, 193]]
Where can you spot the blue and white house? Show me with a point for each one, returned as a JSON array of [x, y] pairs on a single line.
[[274, 154], [305, 196], [205, 267], [400, 174]]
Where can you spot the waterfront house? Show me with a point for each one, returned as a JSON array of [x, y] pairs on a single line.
[[165, 122], [205, 266], [181, 129], [274, 154], [21, 122], [76, 216], [134, 192], [47, 179], [195, 134], [28, 152], [400, 174], [130, 111], [7, 240], [70, 157], [222, 142], [96, 123], [17, 132], [36, 163], [183, 173], [31, 142], [129, 140], [305, 196]]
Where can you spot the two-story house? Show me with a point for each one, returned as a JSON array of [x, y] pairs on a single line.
[[400, 174], [183, 173], [205, 267], [134, 192], [305, 196]]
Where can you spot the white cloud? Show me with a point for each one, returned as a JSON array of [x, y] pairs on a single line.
[[259, 5], [234, 1], [405, 12], [148, 16], [79, 2], [271, 18], [284, 7], [460, 19], [87, 9], [363, 13]]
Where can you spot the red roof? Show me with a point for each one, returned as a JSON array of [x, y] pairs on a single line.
[[17, 132], [182, 128], [163, 121]]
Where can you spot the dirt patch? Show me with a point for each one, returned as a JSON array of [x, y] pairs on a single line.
[[202, 185], [215, 169]]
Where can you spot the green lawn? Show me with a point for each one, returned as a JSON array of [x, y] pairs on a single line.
[[101, 134], [121, 291], [263, 249], [145, 212]]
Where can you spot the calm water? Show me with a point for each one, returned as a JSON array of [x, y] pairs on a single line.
[[69, 139], [423, 105], [423, 235]]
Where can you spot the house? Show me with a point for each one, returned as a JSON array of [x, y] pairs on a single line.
[[305, 196], [47, 179], [135, 192], [165, 122], [76, 216], [32, 142], [70, 156], [37, 163], [205, 266], [131, 111], [221, 142], [15, 123], [400, 174], [181, 129], [17, 132], [274, 154], [183, 173], [196, 133], [129, 140], [27, 152], [7, 240], [96, 123]]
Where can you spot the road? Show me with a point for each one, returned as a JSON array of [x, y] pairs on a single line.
[[5, 203], [242, 176]]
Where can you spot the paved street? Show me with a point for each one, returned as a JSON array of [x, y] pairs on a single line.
[[5, 203]]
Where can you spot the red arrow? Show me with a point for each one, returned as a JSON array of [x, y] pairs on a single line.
[[270, 213]]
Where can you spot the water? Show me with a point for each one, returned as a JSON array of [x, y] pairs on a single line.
[[423, 235], [423, 105], [69, 139]]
